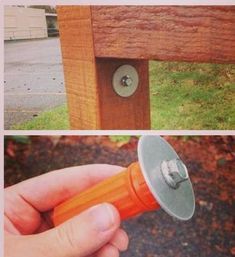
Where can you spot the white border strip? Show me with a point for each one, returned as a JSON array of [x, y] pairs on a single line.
[[1, 127], [89, 132], [122, 132], [120, 2]]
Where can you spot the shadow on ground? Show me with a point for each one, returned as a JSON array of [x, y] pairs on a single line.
[[209, 233]]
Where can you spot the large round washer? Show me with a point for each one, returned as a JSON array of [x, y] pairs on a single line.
[[122, 71], [180, 202]]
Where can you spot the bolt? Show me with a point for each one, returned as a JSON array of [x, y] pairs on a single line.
[[126, 81], [174, 172]]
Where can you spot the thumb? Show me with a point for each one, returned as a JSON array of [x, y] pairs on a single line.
[[83, 234]]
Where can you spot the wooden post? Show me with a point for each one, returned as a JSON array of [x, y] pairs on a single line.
[[96, 40], [92, 102], [118, 112], [79, 66]]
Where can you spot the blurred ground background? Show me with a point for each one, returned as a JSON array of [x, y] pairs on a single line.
[[210, 161], [183, 95]]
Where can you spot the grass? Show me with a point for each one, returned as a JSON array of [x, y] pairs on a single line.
[[192, 96], [182, 95], [120, 139], [54, 119]]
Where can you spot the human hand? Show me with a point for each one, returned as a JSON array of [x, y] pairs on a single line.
[[29, 230]]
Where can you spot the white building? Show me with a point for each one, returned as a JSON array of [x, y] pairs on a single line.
[[24, 23]]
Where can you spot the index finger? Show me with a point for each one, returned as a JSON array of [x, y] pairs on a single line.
[[48, 190]]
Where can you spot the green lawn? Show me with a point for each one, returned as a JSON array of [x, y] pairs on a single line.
[[55, 119], [183, 96], [192, 96]]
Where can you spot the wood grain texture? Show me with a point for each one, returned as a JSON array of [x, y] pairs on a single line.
[[92, 102], [172, 33], [79, 66], [118, 112]]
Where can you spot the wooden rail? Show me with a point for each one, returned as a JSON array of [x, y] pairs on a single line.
[[96, 40], [178, 33]]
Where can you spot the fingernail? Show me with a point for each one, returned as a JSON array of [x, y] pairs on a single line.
[[102, 216]]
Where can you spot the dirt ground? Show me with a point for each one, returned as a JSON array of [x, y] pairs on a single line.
[[210, 161]]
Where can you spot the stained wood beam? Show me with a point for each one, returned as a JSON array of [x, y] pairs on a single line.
[[77, 49], [97, 40], [169, 33], [92, 101]]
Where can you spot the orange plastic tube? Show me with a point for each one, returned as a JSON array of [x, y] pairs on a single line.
[[127, 191]]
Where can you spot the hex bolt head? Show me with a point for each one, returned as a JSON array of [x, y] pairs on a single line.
[[174, 172], [126, 81]]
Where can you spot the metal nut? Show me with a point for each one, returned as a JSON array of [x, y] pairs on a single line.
[[126, 81], [174, 172]]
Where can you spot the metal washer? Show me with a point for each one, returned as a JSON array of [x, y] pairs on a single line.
[[180, 202], [122, 71]]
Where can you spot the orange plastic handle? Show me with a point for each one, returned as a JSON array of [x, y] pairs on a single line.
[[127, 191]]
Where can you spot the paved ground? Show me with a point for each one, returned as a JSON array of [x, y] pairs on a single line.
[[33, 79]]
